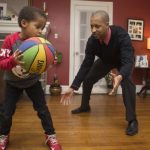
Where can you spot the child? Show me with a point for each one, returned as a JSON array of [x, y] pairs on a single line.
[[31, 21]]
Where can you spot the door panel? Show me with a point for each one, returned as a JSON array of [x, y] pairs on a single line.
[[80, 31]]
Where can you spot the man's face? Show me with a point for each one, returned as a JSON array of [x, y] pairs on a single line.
[[99, 27]]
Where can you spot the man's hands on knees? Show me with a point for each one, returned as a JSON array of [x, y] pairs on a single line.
[[67, 97]]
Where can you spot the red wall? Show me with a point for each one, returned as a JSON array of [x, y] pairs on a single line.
[[59, 16]]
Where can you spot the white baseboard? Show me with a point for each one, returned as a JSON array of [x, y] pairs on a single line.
[[138, 88], [102, 91], [64, 88]]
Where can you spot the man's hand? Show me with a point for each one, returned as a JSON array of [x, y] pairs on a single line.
[[67, 97], [116, 82]]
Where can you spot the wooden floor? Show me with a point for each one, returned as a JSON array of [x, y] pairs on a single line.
[[102, 129]]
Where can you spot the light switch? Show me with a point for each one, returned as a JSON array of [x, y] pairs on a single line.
[[56, 35]]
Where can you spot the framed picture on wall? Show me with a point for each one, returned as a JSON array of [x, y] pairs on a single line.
[[11, 8], [135, 29], [3, 8], [141, 61]]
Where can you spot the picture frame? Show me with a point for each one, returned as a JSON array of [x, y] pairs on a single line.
[[3, 9], [136, 29], [141, 61], [12, 7]]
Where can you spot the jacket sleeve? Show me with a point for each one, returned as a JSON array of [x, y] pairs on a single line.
[[85, 66], [126, 54], [7, 61]]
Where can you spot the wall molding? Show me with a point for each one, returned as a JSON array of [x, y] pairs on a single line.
[[7, 26], [65, 87]]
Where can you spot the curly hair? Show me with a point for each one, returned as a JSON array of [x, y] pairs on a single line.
[[30, 13]]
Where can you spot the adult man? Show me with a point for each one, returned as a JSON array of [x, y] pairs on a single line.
[[113, 47]]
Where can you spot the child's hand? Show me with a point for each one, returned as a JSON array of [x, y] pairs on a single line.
[[17, 57]]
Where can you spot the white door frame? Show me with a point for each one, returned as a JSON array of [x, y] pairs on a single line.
[[74, 5]]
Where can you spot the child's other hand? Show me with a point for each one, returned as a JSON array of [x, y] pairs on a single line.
[[17, 57]]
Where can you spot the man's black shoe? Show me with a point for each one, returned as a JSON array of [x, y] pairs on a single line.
[[81, 110], [132, 128]]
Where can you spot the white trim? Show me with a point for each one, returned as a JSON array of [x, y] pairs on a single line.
[[72, 27], [65, 87], [7, 26]]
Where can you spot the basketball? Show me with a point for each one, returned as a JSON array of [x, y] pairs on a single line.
[[38, 54]]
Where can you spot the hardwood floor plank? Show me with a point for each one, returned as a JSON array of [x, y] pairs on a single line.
[[101, 129]]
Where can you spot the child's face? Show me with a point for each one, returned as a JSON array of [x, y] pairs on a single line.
[[33, 28]]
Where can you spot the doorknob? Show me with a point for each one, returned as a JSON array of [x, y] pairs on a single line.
[[76, 53]]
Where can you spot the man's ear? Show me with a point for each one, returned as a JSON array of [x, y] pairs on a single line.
[[24, 23]]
